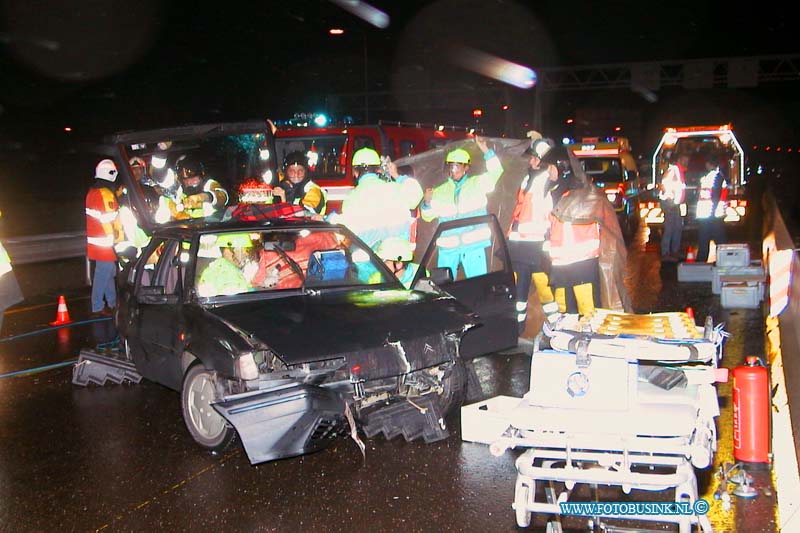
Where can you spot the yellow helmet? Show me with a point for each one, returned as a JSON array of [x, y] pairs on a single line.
[[459, 155], [366, 157]]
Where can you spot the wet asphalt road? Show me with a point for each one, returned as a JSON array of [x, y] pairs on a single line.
[[118, 458]]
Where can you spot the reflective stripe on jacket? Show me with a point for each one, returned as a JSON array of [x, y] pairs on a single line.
[[531, 217], [376, 209], [713, 195], [101, 224], [673, 185], [570, 243], [463, 199]]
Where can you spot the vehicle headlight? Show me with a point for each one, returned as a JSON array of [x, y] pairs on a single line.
[[245, 366]]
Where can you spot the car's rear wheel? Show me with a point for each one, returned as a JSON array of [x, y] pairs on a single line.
[[454, 387], [207, 427]]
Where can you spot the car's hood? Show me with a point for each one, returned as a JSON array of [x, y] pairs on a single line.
[[307, 328]]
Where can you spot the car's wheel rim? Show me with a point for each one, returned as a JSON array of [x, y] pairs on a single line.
[[208, 423]]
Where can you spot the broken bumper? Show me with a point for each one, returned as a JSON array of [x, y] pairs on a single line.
[[284, 422]]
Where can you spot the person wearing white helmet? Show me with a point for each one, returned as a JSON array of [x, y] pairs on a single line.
[[530, 222], [102, 229]]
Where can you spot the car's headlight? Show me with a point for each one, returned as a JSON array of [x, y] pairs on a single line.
[[245, 366]]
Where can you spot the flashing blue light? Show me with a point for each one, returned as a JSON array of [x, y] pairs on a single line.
[[321, 120], [566, 140]]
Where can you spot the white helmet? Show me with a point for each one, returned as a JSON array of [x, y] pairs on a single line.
[[106, 170]]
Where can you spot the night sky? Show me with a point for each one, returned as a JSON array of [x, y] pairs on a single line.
[[106, 65], [101, 66]]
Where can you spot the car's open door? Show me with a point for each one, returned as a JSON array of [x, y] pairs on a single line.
[[484, 282]]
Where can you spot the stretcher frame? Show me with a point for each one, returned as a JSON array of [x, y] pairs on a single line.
[[628, 460]]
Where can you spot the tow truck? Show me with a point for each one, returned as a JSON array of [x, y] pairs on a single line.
[[699, 142], [331, 146], [609, 163]]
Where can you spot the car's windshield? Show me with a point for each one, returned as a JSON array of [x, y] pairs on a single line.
[[200, 177], [602, 170], [273, 260]]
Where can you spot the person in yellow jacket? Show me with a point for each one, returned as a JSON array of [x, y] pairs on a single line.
[[10, 292], [461, 196], [397, 254], [379, 206], [297, 188]]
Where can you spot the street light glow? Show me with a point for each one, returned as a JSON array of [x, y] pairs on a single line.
[[336, 31]]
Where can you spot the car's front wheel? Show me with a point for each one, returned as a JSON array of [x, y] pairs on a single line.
[[207, 427]]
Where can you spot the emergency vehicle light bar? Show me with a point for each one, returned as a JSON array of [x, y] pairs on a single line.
[[597, 152], [700, 129]]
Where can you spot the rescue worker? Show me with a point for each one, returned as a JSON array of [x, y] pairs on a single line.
[[711, 204], [227, 274], [10, 292], [672, 193], [378, 207], [463, 196], [133, 238], [530, 222], [199, 196], [574, 248], [102, 228], [397, 254], [297, 188]]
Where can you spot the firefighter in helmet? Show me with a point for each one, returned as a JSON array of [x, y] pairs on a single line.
[[379, 206], [297, 188], [573, 244], [463, 195], [200, 196], [530, 223]]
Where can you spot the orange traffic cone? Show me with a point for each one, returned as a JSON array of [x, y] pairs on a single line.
[[62, 315], [690, 254], [690, 312]]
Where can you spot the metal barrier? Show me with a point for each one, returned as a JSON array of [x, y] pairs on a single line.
[[50, 247]]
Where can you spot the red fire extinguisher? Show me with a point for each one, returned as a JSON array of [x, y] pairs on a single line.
[[751, 412]]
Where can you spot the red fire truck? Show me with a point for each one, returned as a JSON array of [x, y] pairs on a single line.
[[330, 148]]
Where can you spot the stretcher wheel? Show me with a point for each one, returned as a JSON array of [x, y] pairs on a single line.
[[521, 505]]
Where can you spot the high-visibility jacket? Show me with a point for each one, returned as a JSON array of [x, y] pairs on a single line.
[[131, 235], [101, 223], [712, 196], [218, 199], [530, 220], [220, 278], [306, 193], [467, 197], [673, 185], [377, 209], [571, 243]]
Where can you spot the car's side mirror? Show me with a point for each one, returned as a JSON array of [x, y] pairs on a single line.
[[441, 275]]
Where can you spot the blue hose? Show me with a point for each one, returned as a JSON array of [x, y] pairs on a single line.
[[39, 369], [53, 328]]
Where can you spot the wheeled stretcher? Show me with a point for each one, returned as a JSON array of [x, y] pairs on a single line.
[[615, 400]]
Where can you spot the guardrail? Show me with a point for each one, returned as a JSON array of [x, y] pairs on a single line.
[[49, 247]]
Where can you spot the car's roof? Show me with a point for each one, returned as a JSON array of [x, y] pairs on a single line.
[[187, 229], [186, 132]]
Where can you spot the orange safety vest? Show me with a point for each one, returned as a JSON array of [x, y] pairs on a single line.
[[101, 224], [532, 210], [571, 243]]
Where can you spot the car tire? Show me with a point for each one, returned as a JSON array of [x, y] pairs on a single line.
[[454, 388], [206, 426]]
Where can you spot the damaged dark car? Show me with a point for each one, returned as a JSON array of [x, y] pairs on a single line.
[[283, 330]]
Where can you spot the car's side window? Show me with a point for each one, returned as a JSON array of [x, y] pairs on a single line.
[[148, 265]]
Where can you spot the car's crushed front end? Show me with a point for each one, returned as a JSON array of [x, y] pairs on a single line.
[[372, 374]]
